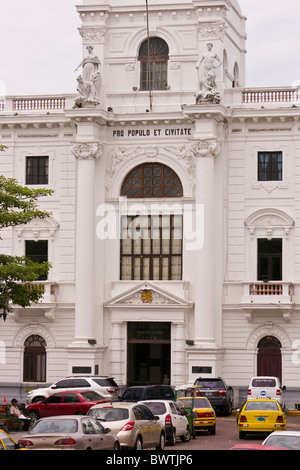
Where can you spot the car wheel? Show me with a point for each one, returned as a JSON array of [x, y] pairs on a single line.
[[138, 444], [228, 410], [187, 436], [38, 399], [34, 416], [242, 434], [212, 430], [162, 440], [116, 446], [172, 441]]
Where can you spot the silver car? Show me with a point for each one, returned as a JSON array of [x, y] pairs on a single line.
[[134, 424], [69, 433]]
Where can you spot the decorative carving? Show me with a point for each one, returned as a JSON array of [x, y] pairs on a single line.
[[91, 35], [206, 148], [147, 297], [216, 31], [89, 83], [85, 151]]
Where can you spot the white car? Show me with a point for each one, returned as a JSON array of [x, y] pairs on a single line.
[[105, 386], [266, 387], [171, 416], [287, 439]]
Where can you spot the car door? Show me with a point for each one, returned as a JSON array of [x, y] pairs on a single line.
[[94, 436], [51, 406], [152, 425], [179, 419], [70, 404]]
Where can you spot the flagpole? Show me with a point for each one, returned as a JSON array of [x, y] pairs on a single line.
[[149, 63]]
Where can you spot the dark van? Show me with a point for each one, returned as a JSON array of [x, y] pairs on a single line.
[[148, 392]]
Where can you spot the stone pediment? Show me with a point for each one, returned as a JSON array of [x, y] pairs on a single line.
[[147, 295]]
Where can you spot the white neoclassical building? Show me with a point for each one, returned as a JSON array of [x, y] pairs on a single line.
[[174, 237]]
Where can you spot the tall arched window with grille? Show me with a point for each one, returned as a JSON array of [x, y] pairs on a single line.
[[35, 359], [151, 244], [154, 56]]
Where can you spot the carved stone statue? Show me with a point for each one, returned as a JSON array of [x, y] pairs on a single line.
[[208, 90], [207, 81], [89, 83]]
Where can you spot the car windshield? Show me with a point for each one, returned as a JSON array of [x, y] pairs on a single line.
[[209, 383], [157, 408], [55, 426], [263, 383], [289, 442], [92, 396], [262, 406], [194, 403], [109, 414]]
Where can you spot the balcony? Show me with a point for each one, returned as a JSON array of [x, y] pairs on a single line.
[[268, 296], [271, 96]]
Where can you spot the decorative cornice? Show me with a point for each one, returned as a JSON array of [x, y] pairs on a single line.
[[86, 151]]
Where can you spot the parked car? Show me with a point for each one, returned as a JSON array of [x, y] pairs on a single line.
[[255, 447], [65, 403], [8, 443], [204, 416], [171, 416], [217, 392], [266, 387], [105, 386], [69, 433], [134, 424], [288, 439], [260, 415], [148, 392]]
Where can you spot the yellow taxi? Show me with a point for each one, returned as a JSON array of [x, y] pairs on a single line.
[[7, 442], [260, 415], [204, 416]]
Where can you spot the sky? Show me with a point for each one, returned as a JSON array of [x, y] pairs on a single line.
[[40, 45]]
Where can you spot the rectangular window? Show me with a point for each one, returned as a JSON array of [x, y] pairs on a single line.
[[151, 247], [37, 169], [269, 259], [37, 252], [154, 78], [269, 166]]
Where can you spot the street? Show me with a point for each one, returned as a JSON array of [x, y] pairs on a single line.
[[225, 438]]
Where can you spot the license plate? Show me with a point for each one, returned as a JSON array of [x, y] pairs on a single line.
[[208, 394], [261, 418]]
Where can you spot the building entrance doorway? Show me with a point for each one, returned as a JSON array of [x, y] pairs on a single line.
[[269, 360], [149, 353]]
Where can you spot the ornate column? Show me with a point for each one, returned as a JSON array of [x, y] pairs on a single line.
[[86, 155], [205, 152]]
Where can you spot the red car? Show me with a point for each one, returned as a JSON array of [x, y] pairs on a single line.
[[65, 403]]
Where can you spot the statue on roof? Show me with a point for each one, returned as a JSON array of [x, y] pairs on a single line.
[[89, 83], [208, 89]]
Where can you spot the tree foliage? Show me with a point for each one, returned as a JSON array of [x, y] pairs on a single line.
[[18, 206]]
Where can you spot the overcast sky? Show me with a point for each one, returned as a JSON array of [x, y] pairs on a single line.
[[40, 45]]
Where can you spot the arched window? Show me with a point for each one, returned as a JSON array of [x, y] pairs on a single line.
[[151, 244], [35, 359], [154, 56], [152, 180]]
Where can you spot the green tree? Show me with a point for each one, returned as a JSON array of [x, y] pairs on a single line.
[[18, 206]]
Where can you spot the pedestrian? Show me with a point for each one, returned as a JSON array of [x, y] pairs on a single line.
[[15, 411]]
